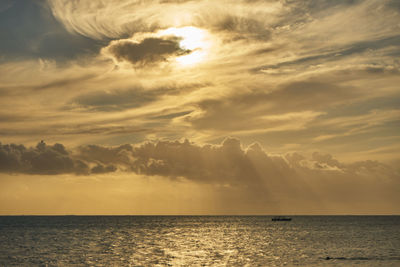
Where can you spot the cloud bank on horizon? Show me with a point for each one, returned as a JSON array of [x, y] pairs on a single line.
[[248, 179], [294, 76]]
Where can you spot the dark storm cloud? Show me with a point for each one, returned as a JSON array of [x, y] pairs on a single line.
[[232, 164], [250, 173], [103, 169], [42, 159], [29, 30], [217, 164], [56, 159], [150, 50], [226, 163]]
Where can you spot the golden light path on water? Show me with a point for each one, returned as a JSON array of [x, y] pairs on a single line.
[[194, 39]]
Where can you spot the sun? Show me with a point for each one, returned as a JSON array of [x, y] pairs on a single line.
[[194, 39]]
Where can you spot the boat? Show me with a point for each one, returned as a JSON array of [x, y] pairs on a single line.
[[281, 218]]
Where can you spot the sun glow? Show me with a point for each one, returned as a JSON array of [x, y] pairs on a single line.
[[194, 39]]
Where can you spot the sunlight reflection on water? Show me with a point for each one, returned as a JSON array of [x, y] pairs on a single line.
[[199, 241]]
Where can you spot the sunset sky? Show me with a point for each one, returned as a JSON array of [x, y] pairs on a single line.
[[199, 107]]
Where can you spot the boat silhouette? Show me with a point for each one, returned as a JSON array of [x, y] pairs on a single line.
[[281, 218]]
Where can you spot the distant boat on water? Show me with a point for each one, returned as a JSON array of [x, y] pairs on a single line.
[[281, 218]]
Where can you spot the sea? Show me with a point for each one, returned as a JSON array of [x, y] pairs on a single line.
[[199, 241]]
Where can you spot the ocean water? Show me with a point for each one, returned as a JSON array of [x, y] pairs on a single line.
[[199, 241]]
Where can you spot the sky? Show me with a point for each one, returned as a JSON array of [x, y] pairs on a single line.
[[199, 107]]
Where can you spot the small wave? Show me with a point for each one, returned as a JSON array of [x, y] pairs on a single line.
[[363, 258], [350, 258]]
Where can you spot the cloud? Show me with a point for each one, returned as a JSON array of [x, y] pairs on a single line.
[[147, 51], [227, 163], [237, 27], [214, 164], [115, 19], [338, 53], [103, 169], [42, 159], [280, 72], [117, 99], [134, 96], [239, 178], [29, 30], [290, 104], [120, 155]]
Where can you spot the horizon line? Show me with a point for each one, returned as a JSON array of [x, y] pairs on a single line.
[[183, 215]]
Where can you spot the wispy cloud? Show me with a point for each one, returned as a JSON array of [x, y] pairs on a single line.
[[279, 72]]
